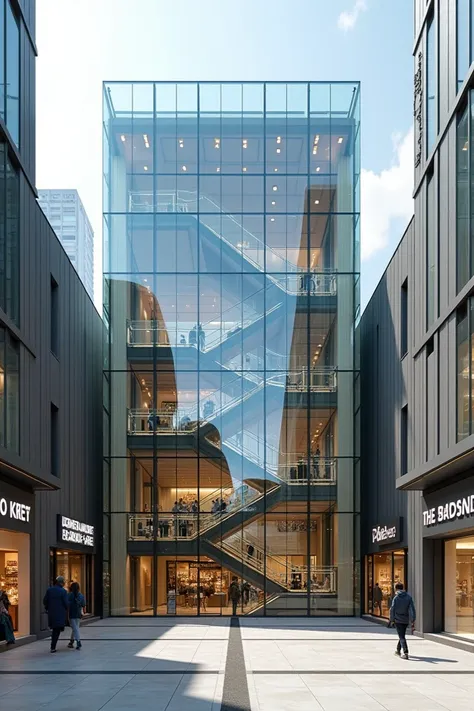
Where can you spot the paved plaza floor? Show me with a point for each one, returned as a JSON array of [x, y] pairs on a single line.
[[201, 664]]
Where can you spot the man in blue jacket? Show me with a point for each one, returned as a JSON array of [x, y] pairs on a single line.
[[402, 613], [56, 605]]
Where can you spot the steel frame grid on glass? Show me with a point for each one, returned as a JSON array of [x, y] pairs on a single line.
[[198, 273]]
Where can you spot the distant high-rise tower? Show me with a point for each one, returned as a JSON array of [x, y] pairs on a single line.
[[68, 218]]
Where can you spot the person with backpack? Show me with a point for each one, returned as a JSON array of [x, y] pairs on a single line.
[[234, 594], [402, 613], [77, 603]]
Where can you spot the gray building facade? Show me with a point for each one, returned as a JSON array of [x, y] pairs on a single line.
[[50, 369], [423, 390]]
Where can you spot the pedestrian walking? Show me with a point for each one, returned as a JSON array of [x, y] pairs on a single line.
[[402, 614], [56, 605], [234, 594], [77, 604], [377, 597]]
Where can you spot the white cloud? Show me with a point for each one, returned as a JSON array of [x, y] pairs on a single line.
[[387, 196], [347, 19]]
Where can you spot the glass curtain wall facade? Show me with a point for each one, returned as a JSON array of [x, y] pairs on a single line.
[[231, 293]]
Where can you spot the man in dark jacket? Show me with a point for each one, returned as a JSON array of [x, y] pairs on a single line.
[[402, 613], [234, 594], [377, 597], [56, 605]]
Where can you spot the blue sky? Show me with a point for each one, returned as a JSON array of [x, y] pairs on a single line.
[[83, 42]]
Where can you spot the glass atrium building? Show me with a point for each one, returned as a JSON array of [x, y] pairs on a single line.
[[231, 294]]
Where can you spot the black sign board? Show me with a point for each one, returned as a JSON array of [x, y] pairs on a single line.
[[449, 509], [388, 532], [16, 508], [75, 534]]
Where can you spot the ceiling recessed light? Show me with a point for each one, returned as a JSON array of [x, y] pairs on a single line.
[[275, 188], [184, 168], [318, 169], [244, 143], [145, 167], [278, 139], [122, 138], [147, 143], [218, 170], [316, 139], [315, 150], [272, 219], [273, 202], [217, 142], [244, 169], [278, 150], [340, 139], [316, 202], [275, 170]]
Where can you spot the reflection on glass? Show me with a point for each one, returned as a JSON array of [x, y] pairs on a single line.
[[230, 270]]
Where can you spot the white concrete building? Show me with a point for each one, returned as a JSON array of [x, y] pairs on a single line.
[[68, 218]]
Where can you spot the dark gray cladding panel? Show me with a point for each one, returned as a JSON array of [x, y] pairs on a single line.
[[385, 383]]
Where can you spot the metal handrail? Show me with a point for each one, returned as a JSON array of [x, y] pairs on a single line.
[[314, 282]]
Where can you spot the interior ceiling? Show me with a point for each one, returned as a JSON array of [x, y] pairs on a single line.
[[227, 150]]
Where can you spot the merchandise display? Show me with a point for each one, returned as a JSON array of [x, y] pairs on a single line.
[[9, 582]]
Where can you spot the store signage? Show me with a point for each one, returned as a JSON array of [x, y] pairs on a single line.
[[16, 508], [72, 531], [449, 511], [386, 533]]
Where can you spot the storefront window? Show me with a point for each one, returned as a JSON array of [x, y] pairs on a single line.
[[75, 568], [15, 579], [383, 572], [459, 586]]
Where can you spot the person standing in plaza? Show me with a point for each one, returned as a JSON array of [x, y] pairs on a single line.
[[402, 614], [77, 604], [56, 605]]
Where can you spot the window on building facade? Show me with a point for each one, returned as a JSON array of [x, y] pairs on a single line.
[[404, 319], [9, 237], [431, 86], [10, 70], [431, 250], [54, 317], [464, 20], [9, 392], [54, 430], [463, 247], [404, 440], [464, 341]]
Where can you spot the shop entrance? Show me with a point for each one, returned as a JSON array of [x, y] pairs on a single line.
[[383, 571], [75, 568], [198, 587], [459, 586], [15, 577]]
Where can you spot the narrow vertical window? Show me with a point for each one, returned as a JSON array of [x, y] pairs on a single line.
[[462, 199], [404, 441], [12, 78], [12, 396], [431, 251], [54, 317], [54, 440], [404, 319], [431, 82], [463, 42], [463, 372]]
